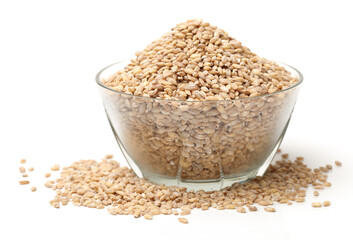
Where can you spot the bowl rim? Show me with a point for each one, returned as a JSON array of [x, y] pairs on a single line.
[[299, 82]]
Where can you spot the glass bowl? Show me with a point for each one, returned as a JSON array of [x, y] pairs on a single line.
[[200, 145]]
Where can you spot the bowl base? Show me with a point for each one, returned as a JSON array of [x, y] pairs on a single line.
[[197, 185]]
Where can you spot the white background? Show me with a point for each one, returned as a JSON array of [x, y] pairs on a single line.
[[51, 111]]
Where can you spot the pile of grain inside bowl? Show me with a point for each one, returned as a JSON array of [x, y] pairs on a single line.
[[199, 62], [106, 184], [200, 139]]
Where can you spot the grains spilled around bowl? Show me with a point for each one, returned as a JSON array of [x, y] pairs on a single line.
[[106, 184]]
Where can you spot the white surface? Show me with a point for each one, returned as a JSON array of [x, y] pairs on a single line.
[[51, 111]]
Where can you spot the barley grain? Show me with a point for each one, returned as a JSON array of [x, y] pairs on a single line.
[[241, 210], [183, 220], [270, 209], [55, 204], [196, 64], [300, 199], [316, 204], [327, 184], [230, 206], [338, 163], [49, 184], [252, 208], [109, 156], [107, 184], [24, 182], [56, 167]]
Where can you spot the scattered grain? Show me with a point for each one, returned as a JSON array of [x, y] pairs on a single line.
[[270, 209], [24, 182], [109, 156], [30, 169], [316, 193], [33, 189], [55, 204], [326, 203], [47, 175], [25, 175], [221, 207], [252, 208], [185, 210], [204, 208], [338, 163], [22, 161], [56, 167], [106, 184], [22, 170], [241, 210], [316, 204], [183, 220], [300, 199], [230, 206], [327, 184], [49, 184]]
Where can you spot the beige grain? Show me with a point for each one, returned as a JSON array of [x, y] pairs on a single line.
[[183, 220], [24, 182], [56, 167], [197, 62], [109, 156], [316, 204], [270, 209], [106, 184], [338, 163], [241, 210]]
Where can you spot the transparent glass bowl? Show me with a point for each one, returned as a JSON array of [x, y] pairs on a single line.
[[204, 145]]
